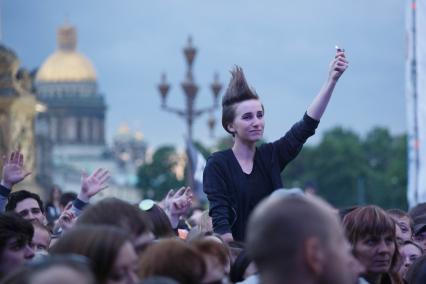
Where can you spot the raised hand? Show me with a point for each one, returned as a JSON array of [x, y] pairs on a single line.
[[67, 219], [93, 184], [338, 65], [180, 202], [13, 170]]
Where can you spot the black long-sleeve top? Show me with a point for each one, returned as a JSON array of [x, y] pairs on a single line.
[[233, 194]]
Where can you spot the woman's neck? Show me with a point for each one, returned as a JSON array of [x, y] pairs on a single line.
[[244, 151]]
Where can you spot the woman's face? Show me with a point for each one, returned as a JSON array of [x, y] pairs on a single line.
[[409, 254], [125, 266], [375, 253], [248, 123]]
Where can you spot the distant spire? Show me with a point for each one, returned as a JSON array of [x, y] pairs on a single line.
[[67, 37]]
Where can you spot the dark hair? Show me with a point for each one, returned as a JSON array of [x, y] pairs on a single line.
[[100, 244], [238, 91], [118, 213], [66, 198], [418, 210], [239, 267], [161, 226], [13, 226], [18, 196], [367, 220], [175, 259]]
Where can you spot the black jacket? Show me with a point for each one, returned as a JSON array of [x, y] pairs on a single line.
[[232, 194]]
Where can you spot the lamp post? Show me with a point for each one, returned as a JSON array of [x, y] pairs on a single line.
[[190, 113]]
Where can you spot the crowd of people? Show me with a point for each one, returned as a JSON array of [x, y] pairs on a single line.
[[291, 237], [252, 232]]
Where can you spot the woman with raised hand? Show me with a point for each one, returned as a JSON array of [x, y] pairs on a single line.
[[235, 180]]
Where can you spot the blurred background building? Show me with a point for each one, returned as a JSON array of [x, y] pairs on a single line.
[[67, 135]]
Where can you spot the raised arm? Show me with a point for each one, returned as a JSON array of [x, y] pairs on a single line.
[[320, 102], [13, 173], [90, 186]]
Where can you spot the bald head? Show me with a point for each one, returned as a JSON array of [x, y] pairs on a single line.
[[286, 234]]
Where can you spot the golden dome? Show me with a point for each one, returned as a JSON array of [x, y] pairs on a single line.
[[66, 64]]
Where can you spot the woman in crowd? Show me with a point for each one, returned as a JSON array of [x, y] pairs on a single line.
[[235, 180], [371, 231], [109, 249], [416, 274], [410, 252]]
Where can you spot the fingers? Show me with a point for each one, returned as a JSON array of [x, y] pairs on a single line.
[[170, 193], [340, 53], [181, 191], [12, 157], [21, 160], [68, 206], [97, 172], [83, 174]]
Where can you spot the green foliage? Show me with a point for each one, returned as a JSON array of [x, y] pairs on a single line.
[[349, 170], [155, 179]]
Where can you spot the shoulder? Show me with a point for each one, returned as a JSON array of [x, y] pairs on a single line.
[[220, 157]]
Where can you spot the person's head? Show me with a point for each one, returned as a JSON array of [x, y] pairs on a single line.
[[371, 231], [410, 252], [27, 204], [55, 194], [161, 226], [41, 240], [172, 258], [418, 210], [242, 112], [419, 231], [66, 198], [109, 249], [216, 258], [15, 238], [299, 237], [416, 274], [404, 228], [118, 213], [51, 270]]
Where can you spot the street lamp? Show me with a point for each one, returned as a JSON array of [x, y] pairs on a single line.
[[190, 89]]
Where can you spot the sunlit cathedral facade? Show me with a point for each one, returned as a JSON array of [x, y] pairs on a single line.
[[74, 120], [66, 83]]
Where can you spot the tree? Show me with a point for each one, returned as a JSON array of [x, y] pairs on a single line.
[[158, 177], [349, 170]]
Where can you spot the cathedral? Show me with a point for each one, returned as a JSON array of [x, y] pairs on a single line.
[[56, 116], [73, 124]]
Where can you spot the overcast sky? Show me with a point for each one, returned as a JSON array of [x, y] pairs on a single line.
[[284, 47]]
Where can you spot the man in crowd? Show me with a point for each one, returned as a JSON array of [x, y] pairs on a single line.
[[15, 242], [299, 239]]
